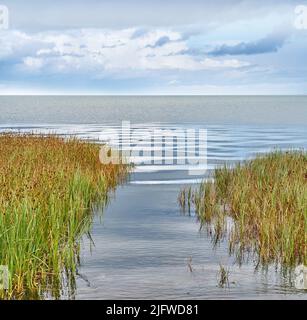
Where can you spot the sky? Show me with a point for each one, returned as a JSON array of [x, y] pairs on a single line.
[[174, 47]]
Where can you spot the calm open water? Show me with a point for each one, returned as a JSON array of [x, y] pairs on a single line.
[[142, 244]]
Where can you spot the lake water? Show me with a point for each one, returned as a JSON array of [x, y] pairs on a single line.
[[143, 243]]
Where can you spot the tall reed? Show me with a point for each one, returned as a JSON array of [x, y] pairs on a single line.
[[48, 187], [266, 201]]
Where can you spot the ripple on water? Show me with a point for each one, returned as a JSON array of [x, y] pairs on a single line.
[[143, 243]]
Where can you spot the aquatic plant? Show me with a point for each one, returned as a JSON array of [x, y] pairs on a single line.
[[190, 267], [185, 199], [48, 189], [223, 277], [266, 200]]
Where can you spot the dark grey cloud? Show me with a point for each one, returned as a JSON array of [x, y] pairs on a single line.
[[271, 43]]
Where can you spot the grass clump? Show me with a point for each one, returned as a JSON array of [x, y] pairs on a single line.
[[48, 187], [223, 276], [266, 200]]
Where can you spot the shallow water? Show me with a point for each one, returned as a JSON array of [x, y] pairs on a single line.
[[143, 243]]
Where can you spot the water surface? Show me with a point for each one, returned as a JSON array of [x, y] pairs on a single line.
[[143, 243]]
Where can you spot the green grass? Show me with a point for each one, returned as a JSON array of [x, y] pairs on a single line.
[[223, 277], [266, 199], [48, 188]]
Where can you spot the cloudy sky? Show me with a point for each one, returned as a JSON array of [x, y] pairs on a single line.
[[154, 47]]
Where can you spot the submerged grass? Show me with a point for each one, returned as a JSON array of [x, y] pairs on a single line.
[[48, 187], [223, 276], [266, 200]]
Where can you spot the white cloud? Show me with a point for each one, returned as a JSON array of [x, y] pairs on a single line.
[[34, 63], [97, 51], [228, 63]]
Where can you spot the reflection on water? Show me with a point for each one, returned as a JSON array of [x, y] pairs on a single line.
[[143, 245]]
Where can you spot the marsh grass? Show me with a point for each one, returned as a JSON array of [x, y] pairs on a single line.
[[185, 199], [48, 189], [223, 277], [266, 200]]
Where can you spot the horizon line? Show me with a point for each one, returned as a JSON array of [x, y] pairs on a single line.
[[147, 95]]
